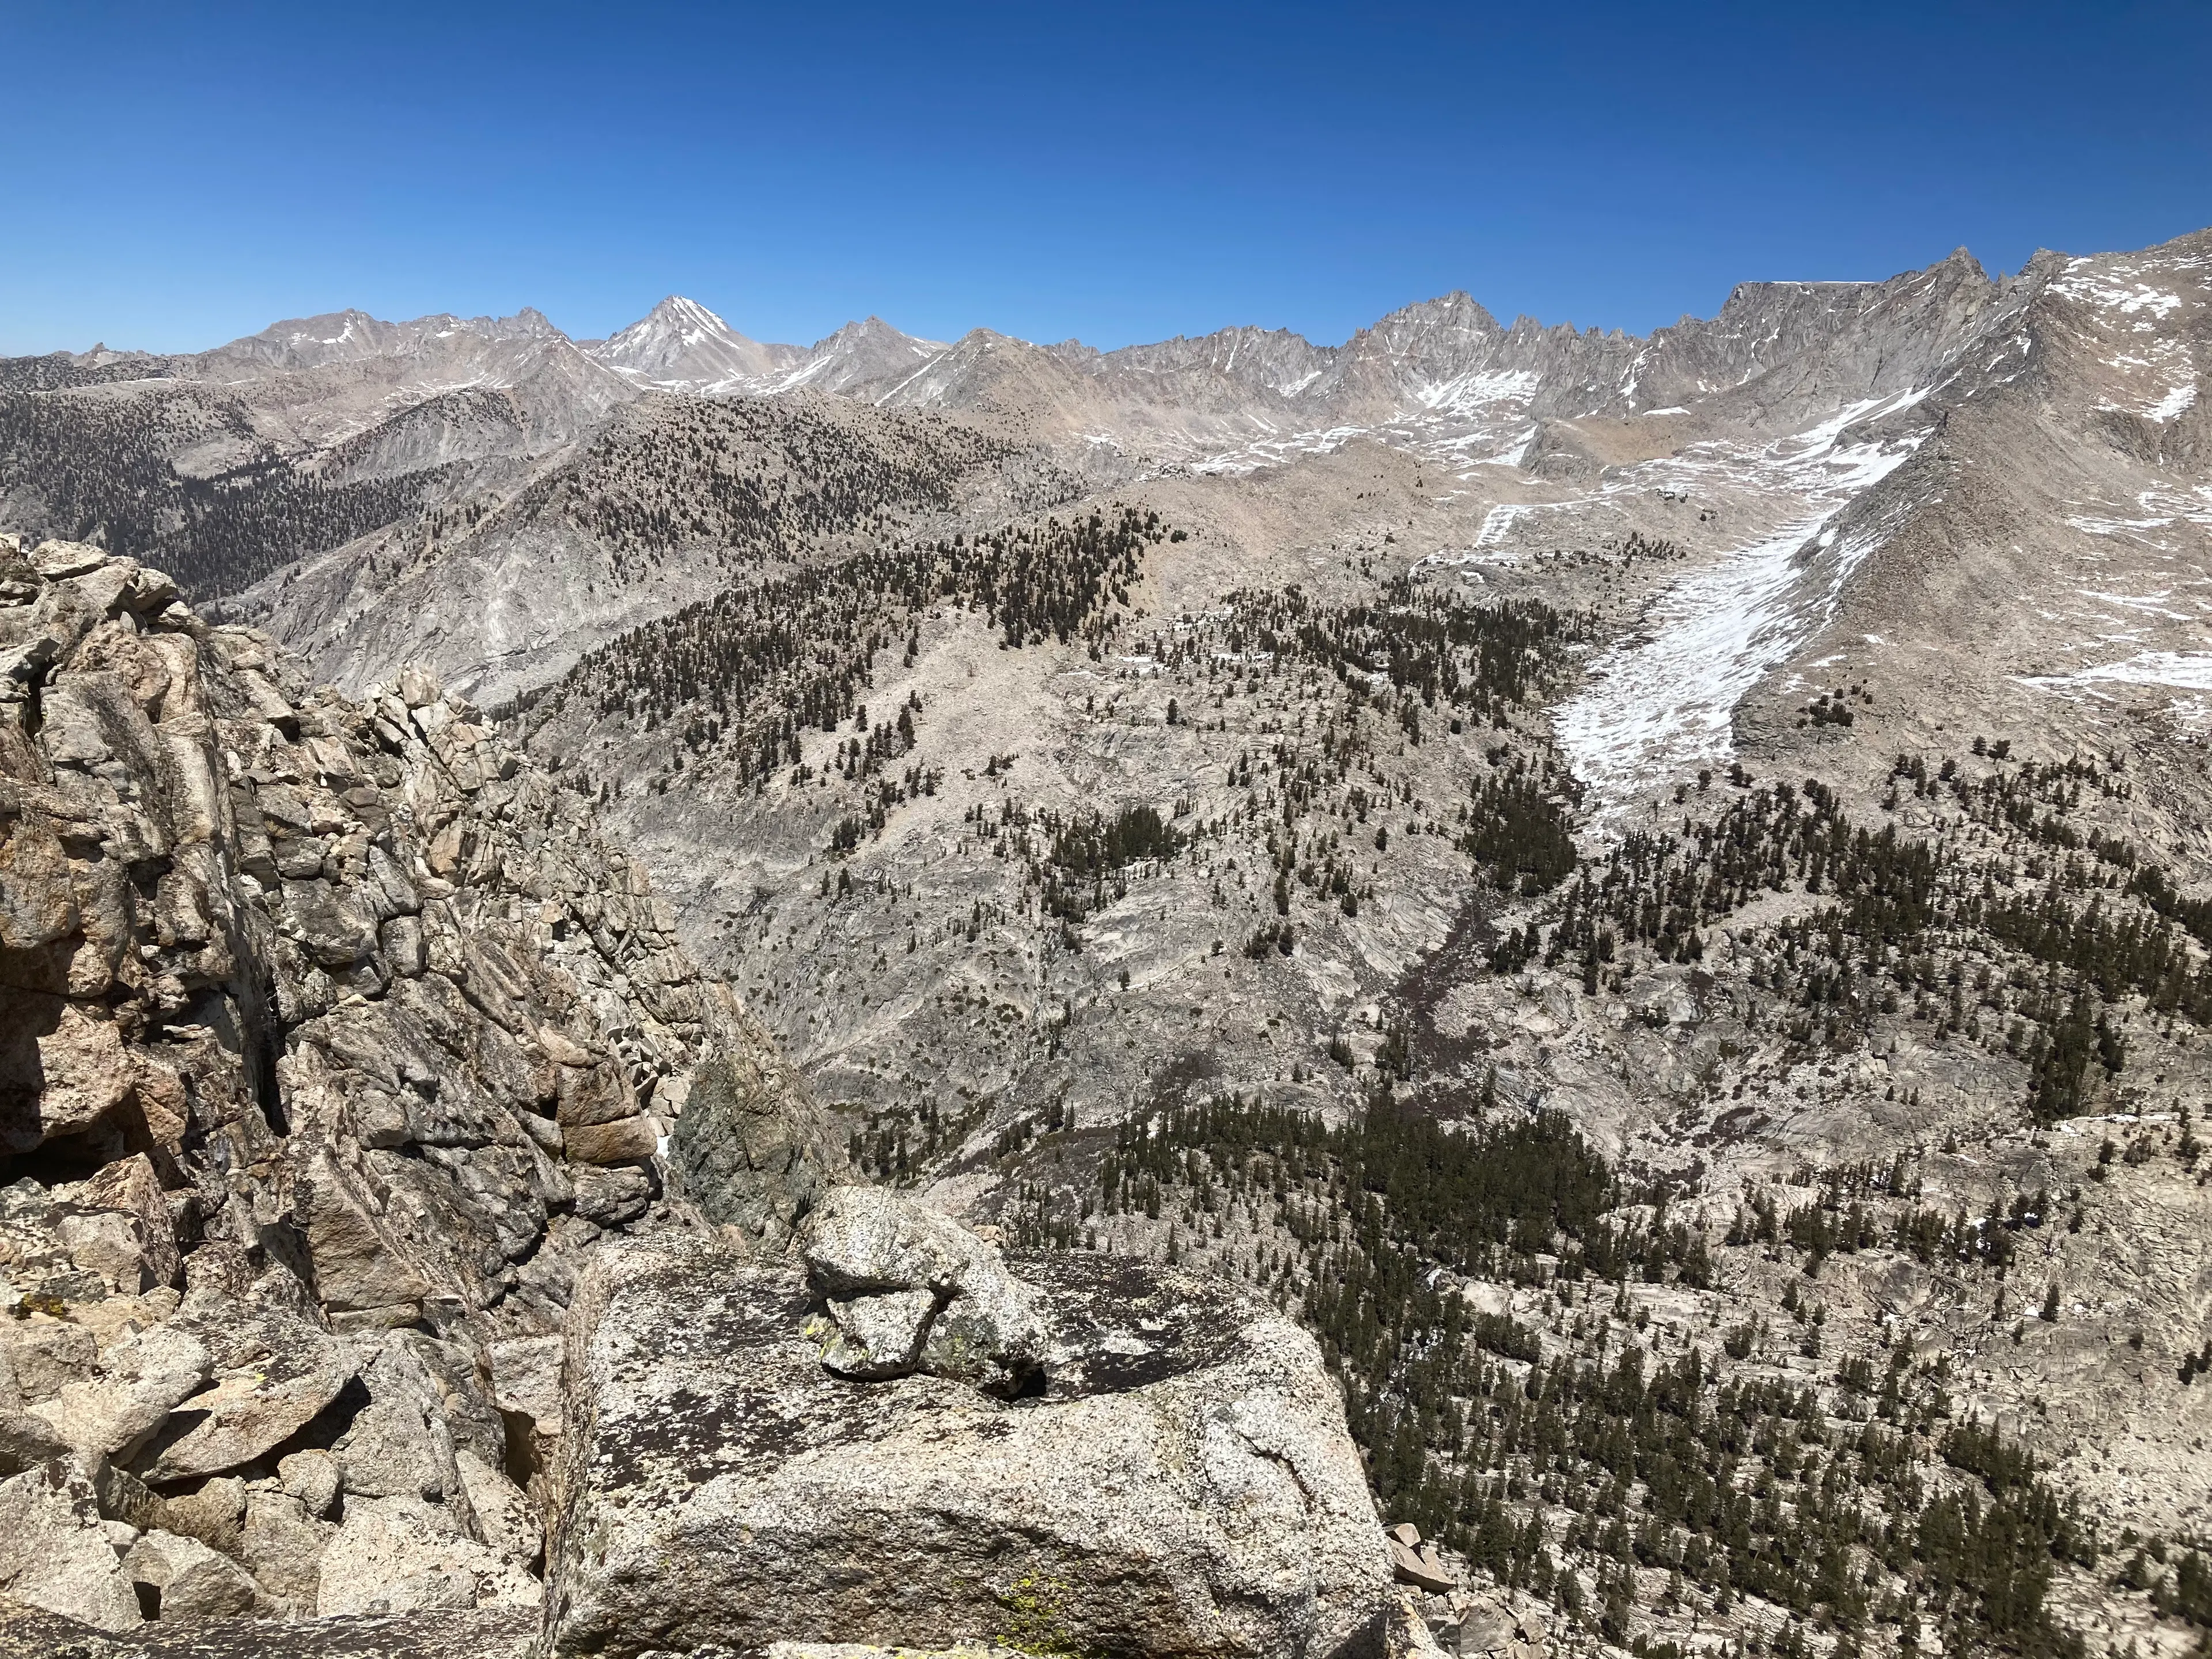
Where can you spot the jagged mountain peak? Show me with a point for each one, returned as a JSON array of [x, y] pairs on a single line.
[[865, 357], [1456, 310], [681, 345], [679, 312], [872, 328]]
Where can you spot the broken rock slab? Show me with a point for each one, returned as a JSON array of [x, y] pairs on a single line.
[[188, 1579], [54, 1549], [275, 1372], [907, 1288], [1413, 1562], [1182, 1482], [400, 1555]]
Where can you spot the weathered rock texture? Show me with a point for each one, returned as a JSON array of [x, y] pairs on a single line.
[[1179, 1482], [331, 1039], [28, 1632], [905, 1288]]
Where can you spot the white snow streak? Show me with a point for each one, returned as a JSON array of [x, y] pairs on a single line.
[[2172, 404], [1660, 704], [2186, 672]]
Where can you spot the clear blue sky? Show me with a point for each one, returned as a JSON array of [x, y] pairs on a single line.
[[174, 175]]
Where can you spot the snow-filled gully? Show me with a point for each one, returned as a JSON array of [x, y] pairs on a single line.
[[1658, 705]]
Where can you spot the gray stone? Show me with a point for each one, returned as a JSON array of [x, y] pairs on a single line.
[[214, 1515], [756, 1151], [872, 1254], [862, 1241], [137, 1384], [334, 929], [394, 1555], [1183, 1484], [506, 1519], [418, 685], [45, 1353], [1485, 1627], [27, 1439], [611, 1197], [873, 1337], [59, 560], [193, 1581], [398, 1444], [55, 1553], [244, 1416], [315, 1478], [281, 1546], [1420, 1567]]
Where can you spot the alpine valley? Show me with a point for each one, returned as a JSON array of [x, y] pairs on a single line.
[[674, 995]]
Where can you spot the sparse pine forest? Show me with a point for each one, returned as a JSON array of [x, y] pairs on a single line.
[[751, 669], [1607, 1443], [101, 470]]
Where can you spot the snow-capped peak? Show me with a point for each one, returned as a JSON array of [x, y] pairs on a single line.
[[682, 345]]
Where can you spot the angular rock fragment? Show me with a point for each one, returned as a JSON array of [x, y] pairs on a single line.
[[188, 1579], [244, 1415], [873, 1337], [1413, 1562], [403, 1555], [55, 1553], [905, 1287], [137, 1385]]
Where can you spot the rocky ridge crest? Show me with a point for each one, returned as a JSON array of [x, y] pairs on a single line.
[[334, 1040], [392, 1205]]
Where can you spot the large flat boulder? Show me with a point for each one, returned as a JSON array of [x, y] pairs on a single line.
[[1175, 1479]]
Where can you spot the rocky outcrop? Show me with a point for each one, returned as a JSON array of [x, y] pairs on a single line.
[[904, 1289], [333, 1041], [1174, 1477], [1455, 1619]]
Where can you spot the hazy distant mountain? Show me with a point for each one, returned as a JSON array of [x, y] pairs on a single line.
[[1444, 369]]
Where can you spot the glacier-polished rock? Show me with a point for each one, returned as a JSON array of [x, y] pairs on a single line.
[[1182, 1484]]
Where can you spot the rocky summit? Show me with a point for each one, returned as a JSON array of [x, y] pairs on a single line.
[[1495, 990]]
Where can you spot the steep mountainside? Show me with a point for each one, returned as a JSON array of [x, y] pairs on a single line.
[[1655, 895], [236, 462], [1642, 794], [681, 346], [334, 1042], [671, 500]]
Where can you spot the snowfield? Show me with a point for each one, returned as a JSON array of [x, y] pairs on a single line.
[[1660, 704]]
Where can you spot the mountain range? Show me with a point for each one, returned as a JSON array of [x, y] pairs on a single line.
[[1639, 910]]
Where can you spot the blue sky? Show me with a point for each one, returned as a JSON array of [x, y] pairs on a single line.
[[175, 175]]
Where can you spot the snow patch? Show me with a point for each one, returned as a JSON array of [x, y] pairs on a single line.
[[2179, 398], [2187, 671], [1660, 704]]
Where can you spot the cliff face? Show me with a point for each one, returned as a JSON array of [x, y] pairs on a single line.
[[332, 1040]]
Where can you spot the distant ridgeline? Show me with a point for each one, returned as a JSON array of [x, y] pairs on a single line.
[[102, 470], [740, 676]]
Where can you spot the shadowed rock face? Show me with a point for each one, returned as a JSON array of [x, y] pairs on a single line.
[[1180, 1482]]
